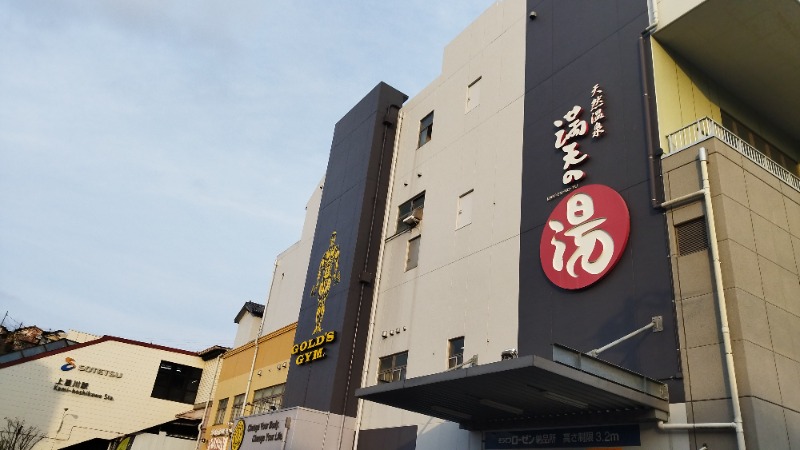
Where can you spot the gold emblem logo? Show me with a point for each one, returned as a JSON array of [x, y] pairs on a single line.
[[327, 275], [125, 443], [237, 436]]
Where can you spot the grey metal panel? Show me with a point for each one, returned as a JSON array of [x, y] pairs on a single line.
[[542, 391], [571, 46]]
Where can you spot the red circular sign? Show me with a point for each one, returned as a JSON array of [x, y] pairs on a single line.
[[584, 236]]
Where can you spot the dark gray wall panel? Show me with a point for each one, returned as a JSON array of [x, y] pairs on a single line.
[[352, 205], [571, 46]]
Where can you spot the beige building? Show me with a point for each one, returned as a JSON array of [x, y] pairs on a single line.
[[251, 381], [92, 394]]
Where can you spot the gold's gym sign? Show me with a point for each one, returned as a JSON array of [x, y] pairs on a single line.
[[312, 349], [328, 275]]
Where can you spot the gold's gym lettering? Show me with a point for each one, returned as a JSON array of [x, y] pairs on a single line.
[[312, 349]]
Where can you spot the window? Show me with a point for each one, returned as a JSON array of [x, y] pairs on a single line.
[[464, 212], [759, 143], [455, 352], [425, 129], [409, 214], [221, 407], [268, 399], [413, 253], [392, 368], [176, 382], [474, 94], [238, 406]]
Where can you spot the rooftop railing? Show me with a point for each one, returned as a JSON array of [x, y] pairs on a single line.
[[706, 128]]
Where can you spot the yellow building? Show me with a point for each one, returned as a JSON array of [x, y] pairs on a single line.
[[251, 381]]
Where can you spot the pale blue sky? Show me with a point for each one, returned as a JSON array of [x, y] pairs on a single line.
[[155, 156]]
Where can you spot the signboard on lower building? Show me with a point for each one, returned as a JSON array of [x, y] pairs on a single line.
[[262, 432], [586, 437]]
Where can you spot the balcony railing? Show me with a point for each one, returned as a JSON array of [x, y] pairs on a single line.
[[706, 128]]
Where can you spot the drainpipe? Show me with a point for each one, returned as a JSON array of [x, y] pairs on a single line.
[[652, 16], [258, 335], [376, 287], [208, 402], [722, 308], [650, 123]]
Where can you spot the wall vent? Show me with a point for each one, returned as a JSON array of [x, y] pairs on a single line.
[[692, 236]]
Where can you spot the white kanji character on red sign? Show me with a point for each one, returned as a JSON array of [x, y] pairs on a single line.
[[584, 236]]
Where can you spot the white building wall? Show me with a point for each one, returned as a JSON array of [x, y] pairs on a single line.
[[669, 10], [66, 418], [466, 281], [161, 442], [246, 330], [286, 291]]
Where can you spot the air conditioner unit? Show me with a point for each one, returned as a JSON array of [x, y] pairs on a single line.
[[410, 220], [413, 218]]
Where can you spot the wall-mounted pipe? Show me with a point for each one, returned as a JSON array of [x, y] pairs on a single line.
[[379, 262], [722, 307], [255, 341]]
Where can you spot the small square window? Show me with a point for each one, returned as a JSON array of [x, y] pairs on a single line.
[[474, 94], [413, 253], [392, 368], [455, 352], [425, 129]]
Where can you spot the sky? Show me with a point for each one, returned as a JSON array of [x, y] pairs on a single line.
[[157, 155]]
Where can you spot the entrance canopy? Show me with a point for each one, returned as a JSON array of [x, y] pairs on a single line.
[[530, 391]]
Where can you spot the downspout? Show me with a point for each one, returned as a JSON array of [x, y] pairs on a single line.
[[652, 16], [722, 308], [376, 288], [258, 336], [651, 127], [208, 402]]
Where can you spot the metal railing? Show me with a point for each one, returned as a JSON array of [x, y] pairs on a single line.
[[706, 128], [393, 374]]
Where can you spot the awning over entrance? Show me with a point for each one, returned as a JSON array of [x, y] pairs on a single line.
[[529, 391]]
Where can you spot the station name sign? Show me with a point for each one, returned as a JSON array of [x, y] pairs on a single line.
[[72, 364]]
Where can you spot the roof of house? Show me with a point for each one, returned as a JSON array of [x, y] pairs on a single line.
[[94, 342], [253, 308]]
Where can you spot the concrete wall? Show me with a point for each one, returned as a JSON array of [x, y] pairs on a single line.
[[286, 288], [247, 329], [758, 226], [466, 280], [125, 405]]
